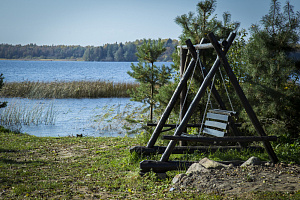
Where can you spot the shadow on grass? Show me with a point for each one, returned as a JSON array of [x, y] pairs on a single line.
[[10, 161], [8, 151]]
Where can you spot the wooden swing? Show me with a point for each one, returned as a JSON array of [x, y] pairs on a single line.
[[214, 125]]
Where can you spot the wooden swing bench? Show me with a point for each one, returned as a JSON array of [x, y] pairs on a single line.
[[216, 127]]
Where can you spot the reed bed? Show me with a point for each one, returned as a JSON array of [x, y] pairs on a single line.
[[17, 114], [62, 89]]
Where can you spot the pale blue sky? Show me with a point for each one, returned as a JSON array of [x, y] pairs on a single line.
[[96, 22]]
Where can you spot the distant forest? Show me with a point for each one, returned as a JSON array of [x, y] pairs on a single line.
[[108, 52]]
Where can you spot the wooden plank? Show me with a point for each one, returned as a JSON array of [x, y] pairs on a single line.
[[175, 125], [162, 167], [216, 124], [213, 132], [217, 117], [199, 46], [222, 139], [222, 112]]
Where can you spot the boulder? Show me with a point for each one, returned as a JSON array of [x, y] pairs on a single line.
[[251, 161], [210, 164], [197, 167], [178, 178]]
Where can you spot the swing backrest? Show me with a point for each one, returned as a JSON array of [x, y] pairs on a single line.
[[217, 122]]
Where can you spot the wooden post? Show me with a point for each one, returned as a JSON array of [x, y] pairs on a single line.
[[242, 96], [183, 65], [194, 103], [171, 105]]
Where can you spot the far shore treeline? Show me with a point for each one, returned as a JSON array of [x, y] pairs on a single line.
[[117, 52]]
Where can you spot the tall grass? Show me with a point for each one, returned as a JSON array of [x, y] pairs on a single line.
[[17, 114], [62, 89], [128, 119]]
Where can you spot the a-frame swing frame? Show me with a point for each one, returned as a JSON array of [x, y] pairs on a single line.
[[221, 59]]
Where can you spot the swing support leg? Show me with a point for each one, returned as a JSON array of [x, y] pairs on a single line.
[[171, 104], [242, 96], [206, 82]]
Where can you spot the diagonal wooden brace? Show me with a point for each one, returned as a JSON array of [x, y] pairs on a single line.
[[243, 98], [171, 104]]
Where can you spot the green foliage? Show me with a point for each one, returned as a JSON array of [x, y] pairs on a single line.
[[274, 97], [288, 152], [108, 52], [195, 27], [150, 50], [150, 76], [33, 51]]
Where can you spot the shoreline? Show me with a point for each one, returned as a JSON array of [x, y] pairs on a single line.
[[79, 60]]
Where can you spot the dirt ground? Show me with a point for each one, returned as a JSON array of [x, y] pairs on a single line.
[[238, 180]]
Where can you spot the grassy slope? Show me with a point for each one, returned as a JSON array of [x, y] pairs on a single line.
[[66, 168]]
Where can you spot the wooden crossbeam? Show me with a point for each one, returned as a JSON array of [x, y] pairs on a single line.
[[142, 150], [221, 139], [199, 46]]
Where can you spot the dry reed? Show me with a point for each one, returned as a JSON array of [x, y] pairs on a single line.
[[61, 89]]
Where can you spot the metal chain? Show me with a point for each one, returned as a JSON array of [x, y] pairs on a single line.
[[226, 89], [208, 100]]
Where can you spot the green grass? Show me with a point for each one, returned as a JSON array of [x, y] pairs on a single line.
[[77, 168], [62, 89]]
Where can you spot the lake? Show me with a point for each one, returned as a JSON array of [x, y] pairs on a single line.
[[15, 70], [72, 116]]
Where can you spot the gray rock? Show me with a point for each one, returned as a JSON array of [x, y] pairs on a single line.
[[197, 167], [178, 178], [251, 161], [210, 164]]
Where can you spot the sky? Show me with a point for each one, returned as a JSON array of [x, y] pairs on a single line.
[[97, 22]]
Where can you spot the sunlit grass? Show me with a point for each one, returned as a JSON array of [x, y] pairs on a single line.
[[62, 89], [90, 168]]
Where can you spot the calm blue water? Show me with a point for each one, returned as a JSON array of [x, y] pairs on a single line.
[[73, 116], [66, 71], [89, 117]]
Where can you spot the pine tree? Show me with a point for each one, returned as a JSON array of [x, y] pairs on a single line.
[[196, 26], [274, 96], [150, 76]]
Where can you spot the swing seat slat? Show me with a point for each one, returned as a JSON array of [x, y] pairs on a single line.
[[217, 117], [213, 132], [216, 124]]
